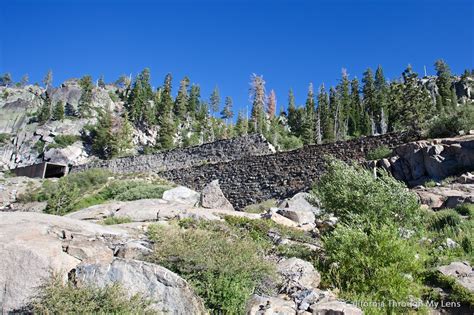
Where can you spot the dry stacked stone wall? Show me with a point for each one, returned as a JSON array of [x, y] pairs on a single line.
[[256, 178], [214, 152]]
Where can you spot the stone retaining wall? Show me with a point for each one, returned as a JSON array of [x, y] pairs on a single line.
[[218, 151], [256, 178]]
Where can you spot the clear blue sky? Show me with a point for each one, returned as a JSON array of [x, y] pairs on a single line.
[[291, 43]]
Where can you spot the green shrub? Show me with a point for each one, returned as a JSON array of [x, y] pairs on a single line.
[[290, 143], [116, 220], [430, 184], [63, 141], [54, 297], [4, 138], [62, 198], [39, 146], [374, 264], [465, 210], [133, 190], [224, 268], [379, 153], [447, 125], [353, 194], [89, 180], [443, 219]]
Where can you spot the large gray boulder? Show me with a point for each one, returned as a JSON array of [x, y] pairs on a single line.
[[168, 292], [213, 197], [74, 154], [35, 245], [182, 195]]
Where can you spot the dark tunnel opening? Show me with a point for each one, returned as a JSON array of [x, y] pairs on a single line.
[[55, 170]]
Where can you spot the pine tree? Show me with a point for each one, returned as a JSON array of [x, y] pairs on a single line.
[[165, 118], [344, 101], [124, 137], [381, 94], [215, 100], [454, 99], [101, 82], [356, 113], [325, 113], [139, 102], [319, 134], [241, 126], [257, 95], [5, 79], [182, 99], [194, 99], [24, 79], [48, 79], [309, 126], [368, 90], [58, 111], [271, 104], [292, 119], [334, 108], [227, 111], [444, 82], [44, 113], [85, 101], [103, 140], [415, 105]]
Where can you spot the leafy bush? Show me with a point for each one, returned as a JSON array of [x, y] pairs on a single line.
[[39, 146], [223, 267], [450, 124], [443, 219], [290, 143], [373, 263], [379, 153], [116, 220], [465, 210], [430, 184], [62, 198], [353, 194], [54, 297]]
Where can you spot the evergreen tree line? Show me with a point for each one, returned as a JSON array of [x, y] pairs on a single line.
[[350, 109]]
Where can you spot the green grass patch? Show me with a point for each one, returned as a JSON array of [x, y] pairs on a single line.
[[261, 207], [63, 141], [116, 220]]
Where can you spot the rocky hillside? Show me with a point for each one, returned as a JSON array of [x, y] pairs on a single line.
[[140, 243], [29, 133]]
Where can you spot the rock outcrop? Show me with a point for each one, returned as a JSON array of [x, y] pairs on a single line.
[[417, 162], [298, 209], [34, 246], [168, 292]]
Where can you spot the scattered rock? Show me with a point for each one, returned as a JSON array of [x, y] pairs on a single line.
[[182, 195], [213, 197], [451, 243], [134, 250], [462, 272], [335, 307], [261, 305], [298, 209], [297, 275], [168, 292], [467, 178], [446, 197]]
